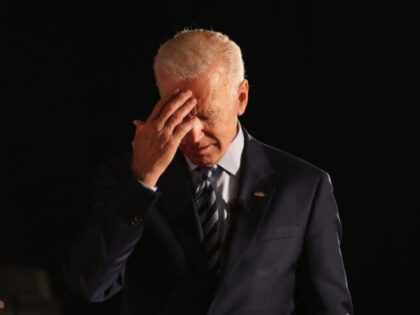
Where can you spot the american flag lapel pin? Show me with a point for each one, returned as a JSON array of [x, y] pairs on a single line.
[[259, 194]]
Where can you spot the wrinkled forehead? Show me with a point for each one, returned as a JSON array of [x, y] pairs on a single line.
[[213, 78]]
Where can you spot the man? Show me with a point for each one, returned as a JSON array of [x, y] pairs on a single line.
[[201, 218]]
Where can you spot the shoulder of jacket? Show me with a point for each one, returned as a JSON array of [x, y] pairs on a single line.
[[283, 160]]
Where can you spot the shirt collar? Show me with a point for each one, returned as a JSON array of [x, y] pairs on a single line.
[[231, 162]]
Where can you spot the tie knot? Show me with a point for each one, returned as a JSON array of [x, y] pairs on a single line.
[[205, 172]]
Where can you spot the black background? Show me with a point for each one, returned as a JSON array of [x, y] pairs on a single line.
[[334, 83]]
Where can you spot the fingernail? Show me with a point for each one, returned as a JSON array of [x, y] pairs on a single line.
[[176, 91]]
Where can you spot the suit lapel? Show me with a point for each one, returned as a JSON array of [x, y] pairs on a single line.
[[254, 197], [177, 206]]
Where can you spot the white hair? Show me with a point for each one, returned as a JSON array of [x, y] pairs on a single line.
[[190, 52]]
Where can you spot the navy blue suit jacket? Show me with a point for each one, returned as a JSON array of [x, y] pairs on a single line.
[[282, 253]]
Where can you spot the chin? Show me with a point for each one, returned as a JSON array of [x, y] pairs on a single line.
[[209, 158], [202, 160]]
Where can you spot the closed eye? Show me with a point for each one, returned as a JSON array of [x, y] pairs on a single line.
[[203, 117]]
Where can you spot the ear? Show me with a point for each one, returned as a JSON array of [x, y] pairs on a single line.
[[242, 96]]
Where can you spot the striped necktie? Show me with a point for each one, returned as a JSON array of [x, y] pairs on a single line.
[[205, 198]]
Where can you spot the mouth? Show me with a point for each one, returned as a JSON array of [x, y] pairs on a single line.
[[202, 149]]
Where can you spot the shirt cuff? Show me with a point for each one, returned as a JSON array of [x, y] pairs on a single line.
[[147, 186]]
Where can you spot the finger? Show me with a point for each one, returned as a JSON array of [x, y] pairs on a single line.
[[162, 102], [171, 107], [182, 129], [139, 125], [138, 122], [180, 114]]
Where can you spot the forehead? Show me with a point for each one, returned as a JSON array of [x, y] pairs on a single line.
[[211, 84]]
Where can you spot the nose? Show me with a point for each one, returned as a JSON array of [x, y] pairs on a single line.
[[195, 134]]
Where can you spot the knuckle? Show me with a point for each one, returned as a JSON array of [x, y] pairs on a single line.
[[167, 135], [170, 122], [180, 96], [156, 125], [183, 126], [179, 130], [172, 106], [176, 116]]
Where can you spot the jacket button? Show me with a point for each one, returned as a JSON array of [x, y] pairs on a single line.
[[136, 220]]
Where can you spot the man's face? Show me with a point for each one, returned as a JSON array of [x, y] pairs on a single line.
[[217, 111]]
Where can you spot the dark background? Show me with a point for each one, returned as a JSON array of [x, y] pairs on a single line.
[[334, 83]]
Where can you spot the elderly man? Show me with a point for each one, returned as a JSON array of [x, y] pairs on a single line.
[[201, 218]]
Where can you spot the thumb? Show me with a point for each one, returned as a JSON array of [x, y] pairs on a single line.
[[138, 123]]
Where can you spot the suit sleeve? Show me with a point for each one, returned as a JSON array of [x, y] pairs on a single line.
[[321, 280], [94, 266]]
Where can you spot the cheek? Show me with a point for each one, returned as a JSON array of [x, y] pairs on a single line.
[[222, 138], [213, 132]]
